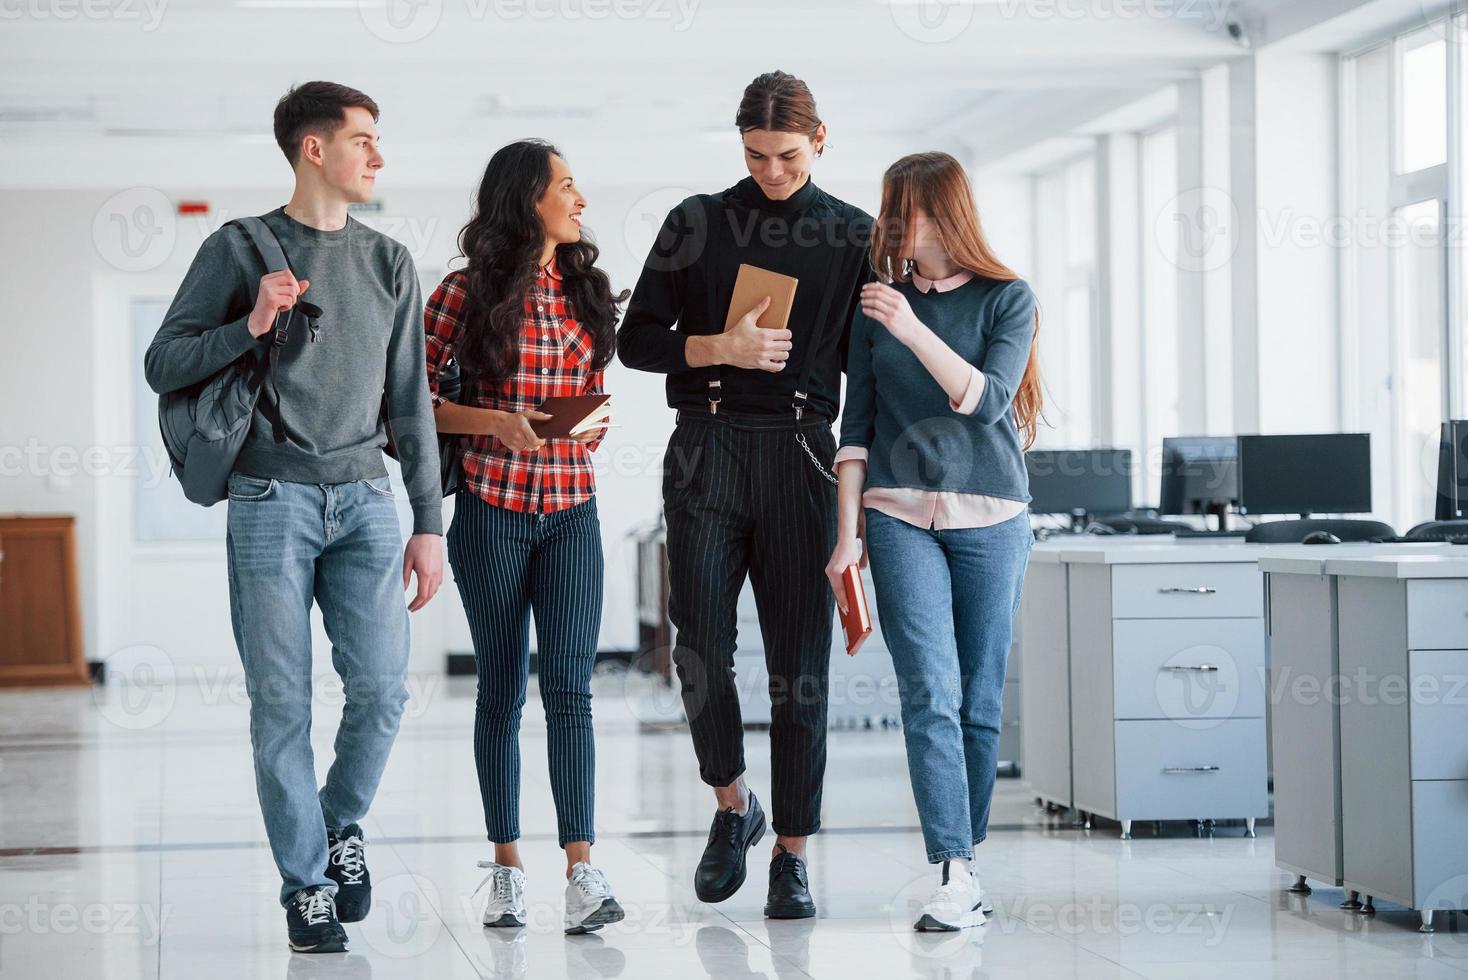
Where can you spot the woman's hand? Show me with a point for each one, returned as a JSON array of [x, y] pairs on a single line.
[[514, 430], [595, 432], [849, 551], [890, 308]]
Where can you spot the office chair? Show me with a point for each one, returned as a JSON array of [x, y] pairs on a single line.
[[1438, 531], [1293, 532]]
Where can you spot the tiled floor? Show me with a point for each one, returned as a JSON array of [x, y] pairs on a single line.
[[131, 846]]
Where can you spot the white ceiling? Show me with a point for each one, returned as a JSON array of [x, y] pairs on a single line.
[[113, 92]]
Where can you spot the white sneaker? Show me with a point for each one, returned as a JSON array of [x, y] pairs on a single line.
[[589, 901], [506, 905], [957, 902]]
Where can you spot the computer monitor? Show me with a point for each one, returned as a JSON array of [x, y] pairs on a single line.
[[1452, 472], [1305, 474], [1200, 475], [1080, 482]]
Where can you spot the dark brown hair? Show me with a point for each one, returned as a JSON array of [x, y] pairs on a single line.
[[778, 102], [502, 243], [936, 184], [315, 107]]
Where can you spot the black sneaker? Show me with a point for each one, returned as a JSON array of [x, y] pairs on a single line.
[[722, 867], [310, 920], [346, 864], [789, 888]]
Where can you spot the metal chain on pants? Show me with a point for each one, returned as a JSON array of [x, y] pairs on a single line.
[[820, 467]]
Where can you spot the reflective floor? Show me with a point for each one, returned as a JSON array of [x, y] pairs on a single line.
[[131, 846]]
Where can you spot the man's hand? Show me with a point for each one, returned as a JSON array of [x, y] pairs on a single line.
[[423, 556], [747, 345], [278, 291]]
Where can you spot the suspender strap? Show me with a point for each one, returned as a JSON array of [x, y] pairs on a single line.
[[832, 283], [716, 217]]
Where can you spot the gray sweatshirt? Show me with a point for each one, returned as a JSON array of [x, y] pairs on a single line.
[[331, 391]]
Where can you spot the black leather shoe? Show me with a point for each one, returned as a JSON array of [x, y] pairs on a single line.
[[722, 867], [789, 889]]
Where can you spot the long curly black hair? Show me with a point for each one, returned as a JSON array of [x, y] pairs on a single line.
[[502, 244]]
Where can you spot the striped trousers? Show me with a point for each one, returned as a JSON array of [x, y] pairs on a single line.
[[742, 497], [510, 566]]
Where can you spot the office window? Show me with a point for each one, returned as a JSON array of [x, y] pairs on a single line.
[[1402, 349], [1417, 282], [1421, 101]]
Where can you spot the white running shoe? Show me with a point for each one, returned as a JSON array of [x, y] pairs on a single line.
[[957, 902], [506, 905], [589, 901]]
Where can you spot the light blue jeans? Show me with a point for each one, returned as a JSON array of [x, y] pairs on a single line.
[[337, 544], [947, 602]]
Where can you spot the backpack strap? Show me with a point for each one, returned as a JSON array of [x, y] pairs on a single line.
[[266, 245], [272, 256]]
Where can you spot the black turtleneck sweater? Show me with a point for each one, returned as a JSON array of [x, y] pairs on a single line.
[[688, 280]]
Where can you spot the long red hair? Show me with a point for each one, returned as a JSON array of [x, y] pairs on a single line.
[[936, 184]]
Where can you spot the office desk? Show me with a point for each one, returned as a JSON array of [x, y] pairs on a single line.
[[1044, 653], [1403, 637], [1302, 609], [1167, 682], [1044, 656]]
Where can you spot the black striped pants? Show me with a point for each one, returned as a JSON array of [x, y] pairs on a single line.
[[741, 496], [509, 565]]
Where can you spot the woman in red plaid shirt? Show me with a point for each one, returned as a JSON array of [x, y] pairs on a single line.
[[529, 318]]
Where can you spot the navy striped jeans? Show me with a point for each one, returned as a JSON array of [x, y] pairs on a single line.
[[509, 566]]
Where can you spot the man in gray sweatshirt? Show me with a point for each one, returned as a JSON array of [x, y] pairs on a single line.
[[311, 513]]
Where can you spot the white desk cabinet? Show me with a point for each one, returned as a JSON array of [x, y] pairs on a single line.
[[1167, 667], [1403, 628]]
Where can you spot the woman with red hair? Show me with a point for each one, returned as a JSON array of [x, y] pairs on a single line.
[[942, 399]]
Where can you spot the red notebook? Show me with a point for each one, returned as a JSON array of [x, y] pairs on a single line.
[[857, 619]]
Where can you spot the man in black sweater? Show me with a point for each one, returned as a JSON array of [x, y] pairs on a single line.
[[748, 489]]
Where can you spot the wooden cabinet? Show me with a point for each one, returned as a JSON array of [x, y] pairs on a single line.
[[40, 604]]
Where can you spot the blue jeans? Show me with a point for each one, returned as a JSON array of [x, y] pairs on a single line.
[[947, 602], [339, 544]]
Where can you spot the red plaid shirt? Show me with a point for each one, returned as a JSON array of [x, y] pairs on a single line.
[[555, 360]]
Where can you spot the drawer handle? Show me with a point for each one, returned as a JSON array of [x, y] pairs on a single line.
[[1180, 770], [1179, 590], [1185, 668]]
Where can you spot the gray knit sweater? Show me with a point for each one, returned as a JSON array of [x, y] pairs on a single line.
[[896, 409], [331, 391]]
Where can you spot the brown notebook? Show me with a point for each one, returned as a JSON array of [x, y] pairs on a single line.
[[570, 415], [754, 284], [857, 619]]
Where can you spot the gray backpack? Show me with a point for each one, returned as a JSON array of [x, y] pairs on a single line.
[[205, 425]]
